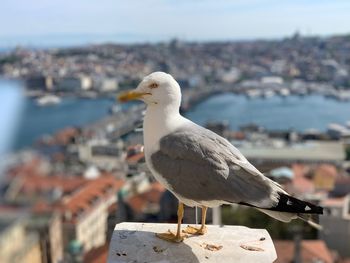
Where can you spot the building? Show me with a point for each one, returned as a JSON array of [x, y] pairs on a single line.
[[301, 184], [281, 175], [324, 177], [336, 224], [39, 83], [108, 85], [103, 155], [135, 158], [145, 206], [74, 83], [337, 131], [16, 244], [48, 225], [29, 187], [69, 212], [307, 152], [85, 212], [97, 255]]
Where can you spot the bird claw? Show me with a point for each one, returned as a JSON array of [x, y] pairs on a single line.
[[195, 230], [171, 237]]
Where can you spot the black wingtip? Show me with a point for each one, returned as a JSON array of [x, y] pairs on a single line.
[[291, 204]]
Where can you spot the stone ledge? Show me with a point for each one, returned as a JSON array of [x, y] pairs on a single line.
[[136, 242]]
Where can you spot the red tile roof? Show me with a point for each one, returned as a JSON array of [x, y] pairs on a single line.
[[64, 136], [39, 184], [336, 201], [42, 207], [326, 170], [87, 196], [135, 158], [311, 250], [8, 208], [343, 180], [137, 147], [29, 168], [139, 202], [301, 183], [97, 255]]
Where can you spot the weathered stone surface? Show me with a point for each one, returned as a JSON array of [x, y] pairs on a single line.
[[136, 242]]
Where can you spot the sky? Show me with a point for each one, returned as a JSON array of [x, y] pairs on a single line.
[[35, 21]]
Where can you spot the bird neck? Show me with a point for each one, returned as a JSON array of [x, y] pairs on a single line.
[[159, 121]]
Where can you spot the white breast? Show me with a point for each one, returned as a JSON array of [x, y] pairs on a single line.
[[156, 125]]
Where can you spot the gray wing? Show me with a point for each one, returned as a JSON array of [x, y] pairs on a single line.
[[200, 165]]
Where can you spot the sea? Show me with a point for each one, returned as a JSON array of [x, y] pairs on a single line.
[[70, 112], [274, 113], [23, 121]]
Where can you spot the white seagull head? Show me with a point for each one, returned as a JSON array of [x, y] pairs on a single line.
[[158, 89]]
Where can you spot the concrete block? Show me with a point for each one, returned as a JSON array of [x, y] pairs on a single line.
[[137, 243]]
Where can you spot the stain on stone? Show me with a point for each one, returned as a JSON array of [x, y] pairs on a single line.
[[158, 249], [211, 247], [123, 235], [251, 248]]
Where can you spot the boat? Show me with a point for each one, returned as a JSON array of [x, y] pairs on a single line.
[[89, 95], [301, 92], [253, 93], [347, 124], [116, 108], [48, 100], [284, 92], [343, 96], [268, 94]]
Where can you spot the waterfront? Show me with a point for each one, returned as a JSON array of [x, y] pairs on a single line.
[[37, 121], [280, 113], [300, 113]]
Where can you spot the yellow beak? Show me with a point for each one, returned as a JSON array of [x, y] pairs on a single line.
[[131, 95]]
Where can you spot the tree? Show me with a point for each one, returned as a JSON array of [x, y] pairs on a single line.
[[253, 218]]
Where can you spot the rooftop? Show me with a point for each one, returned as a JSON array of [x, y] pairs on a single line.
[[307, 152], [93, 192], [97, 255], [334, 202], [140, 202], [32, 183]]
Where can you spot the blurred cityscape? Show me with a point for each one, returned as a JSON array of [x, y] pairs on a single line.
[[62, 193]]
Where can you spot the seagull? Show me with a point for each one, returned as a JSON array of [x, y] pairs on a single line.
[[200, 167]]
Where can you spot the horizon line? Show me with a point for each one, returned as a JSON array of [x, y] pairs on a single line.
[[134, 39]]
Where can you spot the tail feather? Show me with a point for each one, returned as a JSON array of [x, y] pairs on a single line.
[[289, 207], [287, 217], [308, 219], [291, 204], [281, 216]]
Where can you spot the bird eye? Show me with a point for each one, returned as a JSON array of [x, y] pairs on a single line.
[[153, 85]]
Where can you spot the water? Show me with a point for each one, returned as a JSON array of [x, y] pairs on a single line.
[[48, 41], [37, 121], [299, 113], [11, 95]]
